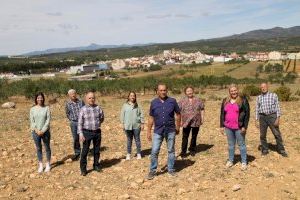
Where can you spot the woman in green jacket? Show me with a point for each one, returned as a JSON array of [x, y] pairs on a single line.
[[40, 129], [132, 119]]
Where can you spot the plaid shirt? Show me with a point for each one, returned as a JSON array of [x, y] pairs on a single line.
[[90, 118], [72, 109], [267, 104]]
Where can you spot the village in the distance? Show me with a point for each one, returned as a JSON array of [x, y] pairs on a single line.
[[87, 71]]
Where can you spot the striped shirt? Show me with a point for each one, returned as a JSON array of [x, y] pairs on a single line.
[[267, 104], [72, 109], [90, 118]]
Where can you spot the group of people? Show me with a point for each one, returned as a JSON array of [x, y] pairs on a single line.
[[167, 116]]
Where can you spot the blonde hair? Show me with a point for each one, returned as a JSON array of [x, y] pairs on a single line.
[[239, 99]]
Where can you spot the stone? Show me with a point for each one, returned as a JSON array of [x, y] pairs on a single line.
[[4, 153], [140, 181], [181, 191], [22, 188], [236, 187], [8, 105]]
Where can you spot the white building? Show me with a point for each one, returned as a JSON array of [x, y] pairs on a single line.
[[75, 69], [118, 64], [293, 56], [274, 55]]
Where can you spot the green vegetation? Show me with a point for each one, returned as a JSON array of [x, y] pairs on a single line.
[[251, 90], [284, 93], [273, 68], [34, 66], [235, 61], [29, 87], [196, 65], [281, 78]]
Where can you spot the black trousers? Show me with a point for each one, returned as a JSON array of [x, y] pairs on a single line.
[[90, 136], [185, 137], [266, 121]]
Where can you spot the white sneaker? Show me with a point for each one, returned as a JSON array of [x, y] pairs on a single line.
[[138, 156], [229, 164], [41, 168], [128, 157], [244, 167], [48, 167]]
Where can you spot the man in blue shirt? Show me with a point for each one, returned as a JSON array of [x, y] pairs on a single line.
[[162, 110]]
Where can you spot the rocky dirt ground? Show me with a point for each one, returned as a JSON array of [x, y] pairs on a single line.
[[203, 176]]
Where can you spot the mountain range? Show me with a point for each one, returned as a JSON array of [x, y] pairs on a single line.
[[260, 34]]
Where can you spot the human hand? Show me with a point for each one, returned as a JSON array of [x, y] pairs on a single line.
[[177, 131], [82, 138], [142, 127], [243, 130], [149, 136], [276, 123]]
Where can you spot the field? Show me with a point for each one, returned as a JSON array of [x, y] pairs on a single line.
[[202, 176], [217, 69]]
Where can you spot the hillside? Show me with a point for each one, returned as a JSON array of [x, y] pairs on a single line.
[[283, 39]]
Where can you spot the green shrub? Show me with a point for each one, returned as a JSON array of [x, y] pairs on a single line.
[[155, 68], [297, 93], [251, 90], [284, 93]]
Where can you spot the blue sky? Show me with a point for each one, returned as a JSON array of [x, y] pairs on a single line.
[[28, 25]]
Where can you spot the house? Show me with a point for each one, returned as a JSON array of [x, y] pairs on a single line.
[[257, 56], [293, 56], [274, 55], [118, 64]]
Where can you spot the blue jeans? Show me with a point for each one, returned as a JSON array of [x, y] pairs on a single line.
[[236, 136], [134, 133], [38, 144], [156, 144], [75, 135]]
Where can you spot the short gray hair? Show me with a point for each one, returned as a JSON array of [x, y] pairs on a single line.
[[71, 91]]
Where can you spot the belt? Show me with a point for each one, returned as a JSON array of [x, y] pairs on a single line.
[[264, 114], [92, 131]]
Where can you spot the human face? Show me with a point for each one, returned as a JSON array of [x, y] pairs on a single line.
[[73, 96], [132, 97], [189, 92], [264, 88], [233, 91], [162, 91], [40, 100], [90, 98]]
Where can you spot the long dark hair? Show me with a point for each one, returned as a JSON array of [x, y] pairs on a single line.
[[36, 96], [135, 102]]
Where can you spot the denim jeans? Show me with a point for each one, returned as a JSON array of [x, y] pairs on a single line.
[[89, 137], [185, 137], [236, 136], [38, 144], [75, 135], [135, 133], [156, 144]]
